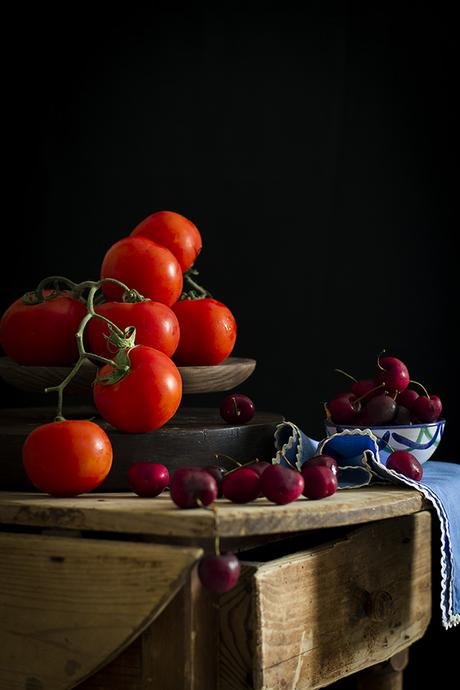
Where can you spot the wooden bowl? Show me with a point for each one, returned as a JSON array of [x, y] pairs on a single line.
[[219, 377]]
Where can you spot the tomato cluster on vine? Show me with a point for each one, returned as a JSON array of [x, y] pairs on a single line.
[[143, 319]]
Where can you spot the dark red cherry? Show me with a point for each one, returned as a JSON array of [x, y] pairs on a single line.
[[319, 481], [405, 463], [219, 573], [281, 484], [393, 373], [241, 485], [237, 409], [427, 409]]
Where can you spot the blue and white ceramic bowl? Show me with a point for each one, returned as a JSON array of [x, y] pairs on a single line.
[[419, 439]]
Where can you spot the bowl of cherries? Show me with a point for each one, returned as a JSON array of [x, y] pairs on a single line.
[[399, 412]]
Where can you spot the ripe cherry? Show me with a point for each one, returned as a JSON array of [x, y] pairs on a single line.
[[377, 411], [259, 466], [148, 479], [281, 484], [427, 408], [218, 473], [343, 408], [407, 398], [402, 417], [193, 488], [405, 463], [320, 481], [237, 409], [393, 373], [219, 572], [241, 485], [365, 387], [324, 461]]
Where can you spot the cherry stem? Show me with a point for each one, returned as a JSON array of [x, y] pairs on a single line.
[[421, 386], [340, 371], [378, 359], [229, 457], [217, 545], [124, 342]]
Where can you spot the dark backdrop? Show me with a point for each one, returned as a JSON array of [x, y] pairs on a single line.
[[314, 149]]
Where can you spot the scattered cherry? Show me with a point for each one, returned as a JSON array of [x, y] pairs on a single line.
[[193, 488], [148, 479], [241, 485], [320, 481], [258, 466], [324, 461], [405, 463], [218, 473], [219, 572], [281, 484], [237, 409]]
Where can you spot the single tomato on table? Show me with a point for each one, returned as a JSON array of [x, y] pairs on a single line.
[[145, 266], [156, 326], [207, 332], [67, 458], [42, 332], [173, 231], [144, 398]]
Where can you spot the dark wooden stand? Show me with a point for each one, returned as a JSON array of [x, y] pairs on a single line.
[[195, 436]]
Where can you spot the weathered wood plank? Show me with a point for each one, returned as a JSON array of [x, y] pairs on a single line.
[[306, 620], [127, 513], [68, 606], [327, 631]]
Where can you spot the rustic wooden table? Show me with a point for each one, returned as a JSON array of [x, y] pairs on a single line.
[[101, 592]]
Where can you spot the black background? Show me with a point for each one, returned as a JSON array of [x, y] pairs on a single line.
[[315, 150]]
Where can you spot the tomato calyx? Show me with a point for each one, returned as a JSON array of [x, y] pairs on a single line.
[[122, 367], [194, 291], [133, 296], [122, 345]]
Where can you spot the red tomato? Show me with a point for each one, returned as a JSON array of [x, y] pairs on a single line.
[[156, 326], [146, 397], [207, 332], [42, 334], [175, 232], [145, 266], [67, 458]]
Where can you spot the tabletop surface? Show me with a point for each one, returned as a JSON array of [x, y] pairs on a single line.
[[129, 514]]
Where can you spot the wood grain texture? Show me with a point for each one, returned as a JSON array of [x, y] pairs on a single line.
[[127, 513], [67, 606], [194, 436], [197, 379], [178, 651], [308, 617]]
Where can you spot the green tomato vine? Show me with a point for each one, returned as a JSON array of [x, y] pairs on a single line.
[[122, 340]]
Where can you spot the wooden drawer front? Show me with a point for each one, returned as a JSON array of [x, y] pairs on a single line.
[[305, 620]]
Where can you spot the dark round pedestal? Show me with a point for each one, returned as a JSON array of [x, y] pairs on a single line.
[[195, 436]]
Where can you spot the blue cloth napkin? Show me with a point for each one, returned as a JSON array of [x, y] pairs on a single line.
[[357, 454]]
